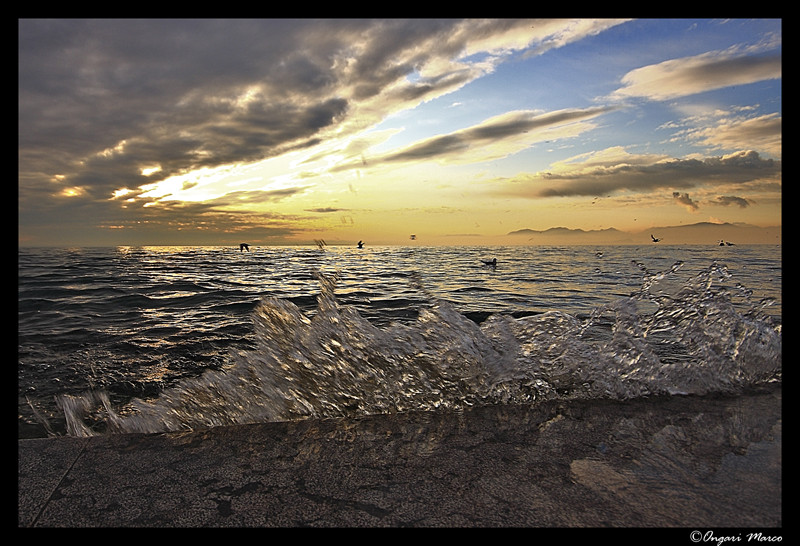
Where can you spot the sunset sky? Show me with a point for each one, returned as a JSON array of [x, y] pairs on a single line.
[[208, 132]]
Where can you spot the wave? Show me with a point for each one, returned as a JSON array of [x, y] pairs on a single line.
[[670, 338]]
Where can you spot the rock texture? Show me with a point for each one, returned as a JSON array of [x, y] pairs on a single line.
[[664, 462]]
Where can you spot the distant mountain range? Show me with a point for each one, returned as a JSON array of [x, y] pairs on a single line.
[[699, 233]]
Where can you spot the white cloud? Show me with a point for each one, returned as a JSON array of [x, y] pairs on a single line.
[[697, 74]]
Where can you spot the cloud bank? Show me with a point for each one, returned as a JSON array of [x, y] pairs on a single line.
[[616, 171], [102, 100], [698, 74]]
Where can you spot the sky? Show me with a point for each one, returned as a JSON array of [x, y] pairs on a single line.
[[282, 131]]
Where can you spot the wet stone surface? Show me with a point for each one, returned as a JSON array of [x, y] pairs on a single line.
[[709, 461]]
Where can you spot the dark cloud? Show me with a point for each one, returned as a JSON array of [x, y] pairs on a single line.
[[684, 200], [184, 93], [326, 209], [492, 131], [255, 196], [427, 87], [726, 200], [432, 148], [741, 167]]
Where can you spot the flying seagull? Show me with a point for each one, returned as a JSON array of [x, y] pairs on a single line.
[[654, 239], [244, 246]]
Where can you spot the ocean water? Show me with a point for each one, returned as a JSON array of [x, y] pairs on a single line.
[[153, 339]]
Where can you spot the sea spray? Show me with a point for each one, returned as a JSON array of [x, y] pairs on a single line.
[[669, 338]]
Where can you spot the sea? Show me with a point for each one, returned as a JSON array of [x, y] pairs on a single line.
[[152, 339]]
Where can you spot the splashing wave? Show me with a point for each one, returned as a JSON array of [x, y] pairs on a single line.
[[668, 339]]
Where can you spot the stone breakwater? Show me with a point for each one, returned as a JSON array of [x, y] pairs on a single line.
[[681, 461]]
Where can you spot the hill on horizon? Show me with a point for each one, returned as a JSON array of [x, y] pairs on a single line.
[[699, 233]]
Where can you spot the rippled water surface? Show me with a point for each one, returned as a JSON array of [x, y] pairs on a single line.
[[170, 338]]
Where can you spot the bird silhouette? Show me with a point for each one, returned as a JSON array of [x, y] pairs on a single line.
[[244, 246], [654, 239]]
